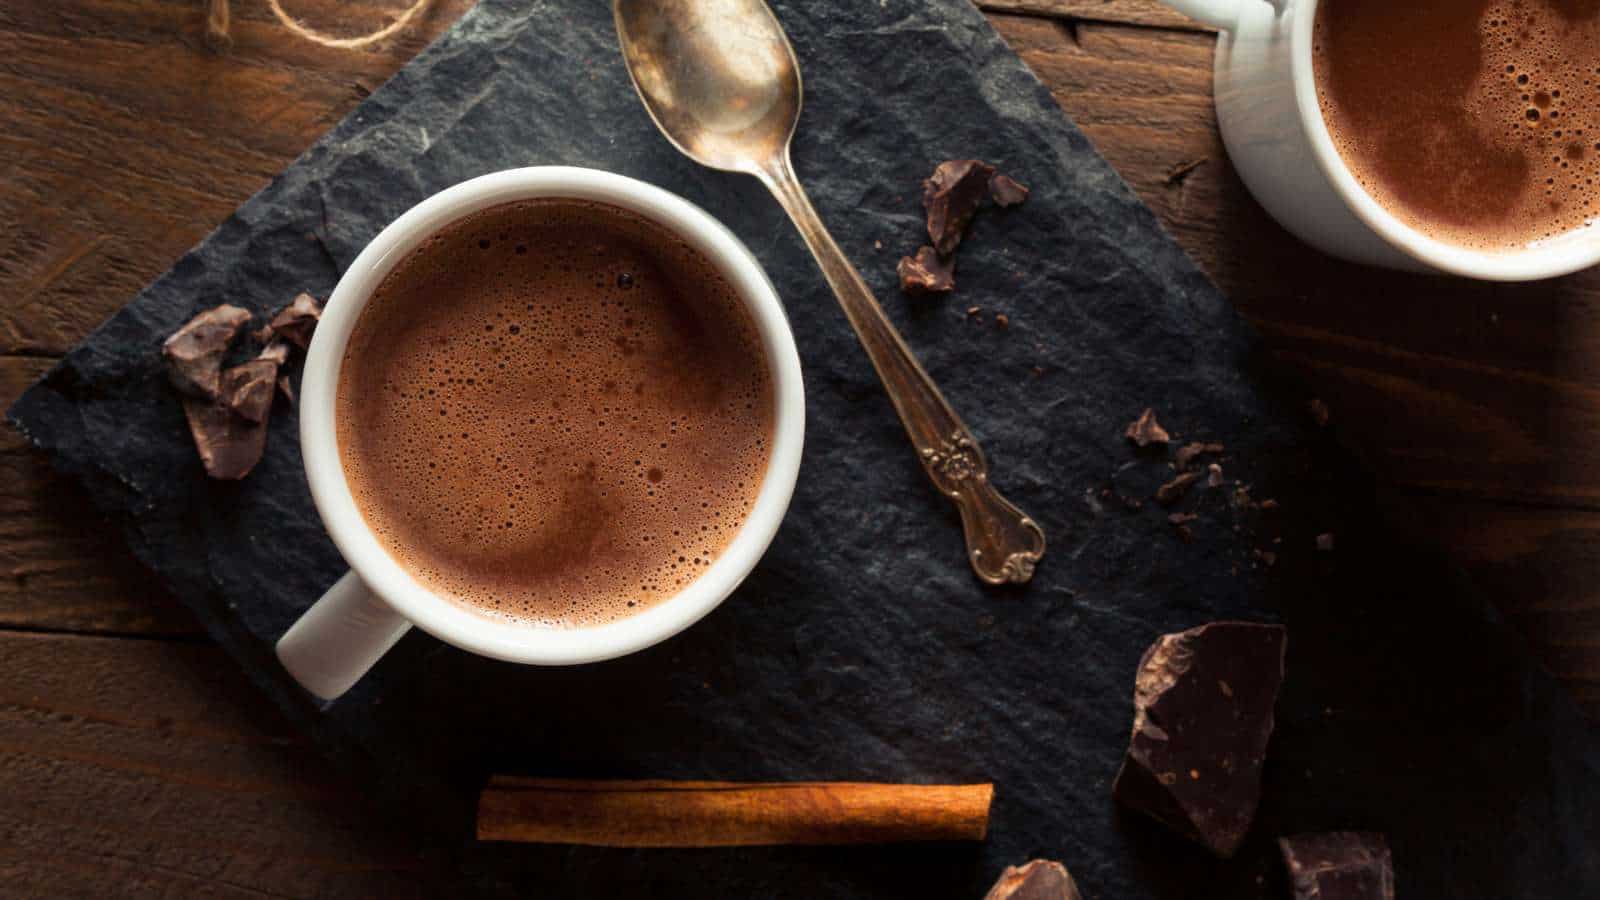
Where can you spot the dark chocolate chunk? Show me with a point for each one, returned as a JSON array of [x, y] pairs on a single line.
[[1006, 191], [230, 445], [1339, 865], [1202, 714], [1040, 879], [952, 197], [1173, 491], [295, 322], [1145, 430], [247, 388], [194, 352], [927, 273], [275, 350]]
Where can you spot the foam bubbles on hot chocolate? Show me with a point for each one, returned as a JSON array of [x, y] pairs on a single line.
[[555, 412], [1476, 122]]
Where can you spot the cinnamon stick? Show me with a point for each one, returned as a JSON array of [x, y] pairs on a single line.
[[728, 814]]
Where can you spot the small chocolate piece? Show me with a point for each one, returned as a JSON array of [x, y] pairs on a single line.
[[1268, 503], [194, 352], [230, 445], [1040, 879], [952, 197], [1173, 491], [247, 388], [1339, 865], [1202, 714], [1320, 412], [1145, 430], [1003, 320], [295, 322], [927, 273], [1213, 475], [1189, 452], [1005, 191]]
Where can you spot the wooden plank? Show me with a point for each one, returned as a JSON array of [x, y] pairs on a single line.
[[146, 768], [126, 141], [1151, 13], [1537, 564]]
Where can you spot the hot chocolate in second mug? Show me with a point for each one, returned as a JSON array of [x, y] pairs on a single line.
[[1272, 125]]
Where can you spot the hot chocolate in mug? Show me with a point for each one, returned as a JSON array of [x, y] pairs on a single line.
[[1272, 124]]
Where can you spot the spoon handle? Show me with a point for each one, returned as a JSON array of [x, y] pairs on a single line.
[[1003, 543]]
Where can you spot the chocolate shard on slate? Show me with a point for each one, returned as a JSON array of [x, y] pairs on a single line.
[[1189, 452], [247, 388], [927, 272], [1173, 491], [276, 351], [1041, 879], [194, 352], [295, 322], [1006, 191], [952, 197], [230, 445], [1202, 714], [1145, 430], [1339, 865]]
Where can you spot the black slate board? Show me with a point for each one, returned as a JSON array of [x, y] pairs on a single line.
[[862, 648]]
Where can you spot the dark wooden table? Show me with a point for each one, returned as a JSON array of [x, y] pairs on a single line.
[[134, 759]]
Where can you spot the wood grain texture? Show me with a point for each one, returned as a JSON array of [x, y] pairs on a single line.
[[1151, 13], [728, 814], [135, 768]]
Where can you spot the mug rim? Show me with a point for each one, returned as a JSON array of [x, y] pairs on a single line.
[[454, 622], [1561, 257]]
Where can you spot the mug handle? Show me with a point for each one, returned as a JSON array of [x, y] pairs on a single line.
[[1222, 14], [340, 637]]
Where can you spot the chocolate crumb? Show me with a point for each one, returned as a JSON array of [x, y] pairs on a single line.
[[1173, 491], [1006, 191], [927, 273], [974, 310], [951, 197], [1268, 503], [1214, 476], [1145, 430], [1325, 542], [194, 352], [1040, 879], [295, 322], [1267, 557], [1003, 320], [1187, 453], [1319, 412]]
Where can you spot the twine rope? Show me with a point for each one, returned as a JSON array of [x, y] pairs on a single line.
[[218, 17]]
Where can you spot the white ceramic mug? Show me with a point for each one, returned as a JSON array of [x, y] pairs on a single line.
[[340, 637], [1273, 128]]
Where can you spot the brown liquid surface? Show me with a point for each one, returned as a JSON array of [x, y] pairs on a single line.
[[1476, 122], [555, 412]]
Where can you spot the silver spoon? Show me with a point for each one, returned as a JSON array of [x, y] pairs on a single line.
[[721, 81]]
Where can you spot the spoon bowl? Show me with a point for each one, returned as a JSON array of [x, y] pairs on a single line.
[[718, 77]]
